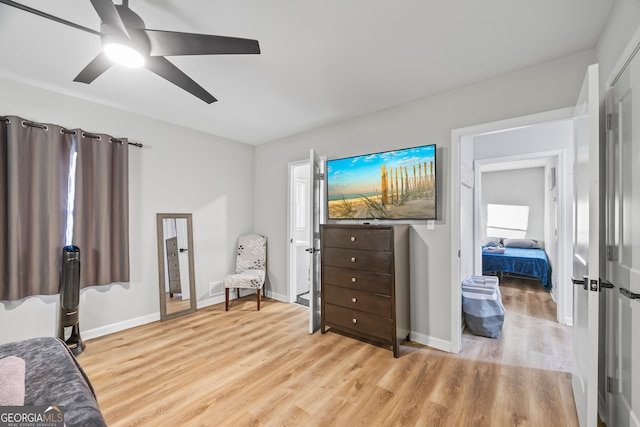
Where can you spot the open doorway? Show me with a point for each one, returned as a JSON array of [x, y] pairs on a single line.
[[299, 223], [517, 205], [307, 202], [543, 138]]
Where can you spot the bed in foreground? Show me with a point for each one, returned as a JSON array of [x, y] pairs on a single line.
[[528, 262], [47, 373]]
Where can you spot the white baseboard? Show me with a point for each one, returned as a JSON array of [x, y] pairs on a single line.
[[216, 299], [120, 326], [219, 298], [429, 341], [279, 297]]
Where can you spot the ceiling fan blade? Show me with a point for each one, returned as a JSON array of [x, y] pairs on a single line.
[[109, 15], [170, 43], [94, 69], [165, 69]]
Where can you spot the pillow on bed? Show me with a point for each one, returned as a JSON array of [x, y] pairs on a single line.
[[521, 243], [492, 241], [12, 381]]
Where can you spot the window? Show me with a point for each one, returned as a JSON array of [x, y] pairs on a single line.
[[509, 221]]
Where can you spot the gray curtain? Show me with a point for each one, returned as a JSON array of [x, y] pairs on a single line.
[[37, 188], [34, 164], [101, 209]]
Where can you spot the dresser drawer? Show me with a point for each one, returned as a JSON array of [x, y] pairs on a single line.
[[175, 286], [174, 275], [357, 259], [373, 240], [172, 244], [369, 281], [358, 300], [359, 322], [172, 263]]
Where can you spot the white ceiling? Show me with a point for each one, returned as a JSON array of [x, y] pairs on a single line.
[[321, 61]]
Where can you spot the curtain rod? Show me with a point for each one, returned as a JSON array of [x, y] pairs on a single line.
[[67, 131]]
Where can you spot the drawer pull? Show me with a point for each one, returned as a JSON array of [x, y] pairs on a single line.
[[355, 320], [353, 238], [353, 259], [353, 280], [354, 299]]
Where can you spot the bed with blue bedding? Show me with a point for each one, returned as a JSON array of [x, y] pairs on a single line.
[[528, 262]]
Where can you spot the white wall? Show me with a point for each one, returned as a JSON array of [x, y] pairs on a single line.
[[542, 138], [620, 27], [518, 187], [178, 171], [430, 120]]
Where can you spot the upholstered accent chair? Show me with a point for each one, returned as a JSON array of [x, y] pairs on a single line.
[[251, 266]]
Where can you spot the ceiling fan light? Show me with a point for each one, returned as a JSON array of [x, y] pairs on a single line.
[[123, 55]]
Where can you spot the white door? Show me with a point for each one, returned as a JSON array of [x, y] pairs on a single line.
[[586, 250], [316, 179], [623, 241], [183, 256]]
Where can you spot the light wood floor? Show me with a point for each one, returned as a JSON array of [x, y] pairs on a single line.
[[176, 303], [248, 368]]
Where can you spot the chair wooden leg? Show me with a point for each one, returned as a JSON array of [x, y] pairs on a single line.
[[226, 299], [258, 297]]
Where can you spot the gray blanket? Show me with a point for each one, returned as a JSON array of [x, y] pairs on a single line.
[[54, 377]]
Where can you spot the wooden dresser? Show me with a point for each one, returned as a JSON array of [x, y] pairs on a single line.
[[365, 281], [173, 266]]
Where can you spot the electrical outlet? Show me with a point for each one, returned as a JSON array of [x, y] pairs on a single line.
[[215, 288]]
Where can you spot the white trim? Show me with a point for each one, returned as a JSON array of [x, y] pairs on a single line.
[[216, 299], [120, 326], [477, 229], [456, 294], [278, 297], [456, 137], [429, 341]]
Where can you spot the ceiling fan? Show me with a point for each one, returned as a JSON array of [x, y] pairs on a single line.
[[126, 40]]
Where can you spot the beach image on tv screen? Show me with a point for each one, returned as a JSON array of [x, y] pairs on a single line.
[[398, 184]]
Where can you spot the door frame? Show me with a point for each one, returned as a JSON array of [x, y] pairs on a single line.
[[457, 136], [561, 293]]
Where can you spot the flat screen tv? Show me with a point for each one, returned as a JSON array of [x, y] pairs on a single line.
[[390, 185]]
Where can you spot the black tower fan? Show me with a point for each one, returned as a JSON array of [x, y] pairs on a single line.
[[69, 325]]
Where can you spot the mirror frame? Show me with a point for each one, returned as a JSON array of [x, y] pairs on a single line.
[[160, 217]]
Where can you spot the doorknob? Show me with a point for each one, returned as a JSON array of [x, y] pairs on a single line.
[[631, 295], [584, 282], [606, 284]]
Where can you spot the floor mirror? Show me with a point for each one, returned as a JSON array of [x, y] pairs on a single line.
[[175, 265]]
